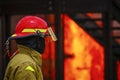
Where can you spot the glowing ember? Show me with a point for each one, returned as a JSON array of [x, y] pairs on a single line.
[[96, 16], [87, 61]]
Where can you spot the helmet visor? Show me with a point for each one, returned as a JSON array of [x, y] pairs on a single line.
[[52, 34]]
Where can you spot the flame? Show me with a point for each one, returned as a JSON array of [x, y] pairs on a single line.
[[48, 66], [87, 61]]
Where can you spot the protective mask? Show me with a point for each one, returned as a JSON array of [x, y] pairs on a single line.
[[35, 42]]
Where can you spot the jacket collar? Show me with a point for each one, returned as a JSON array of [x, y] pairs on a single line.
[[36, 56]]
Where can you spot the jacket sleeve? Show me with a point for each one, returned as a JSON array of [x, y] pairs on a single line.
[[26, 71]]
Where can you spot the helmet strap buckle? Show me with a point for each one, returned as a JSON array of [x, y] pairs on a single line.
[[39, 34]]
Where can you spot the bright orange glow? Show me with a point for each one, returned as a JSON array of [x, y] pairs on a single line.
[[48, 59], [87, 61]]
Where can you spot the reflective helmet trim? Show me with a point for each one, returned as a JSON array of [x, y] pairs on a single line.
[[34, 30]]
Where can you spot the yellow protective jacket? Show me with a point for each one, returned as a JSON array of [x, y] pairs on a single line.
[[25, 65]]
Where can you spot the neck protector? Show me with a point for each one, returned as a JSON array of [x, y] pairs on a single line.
[[35, 42]]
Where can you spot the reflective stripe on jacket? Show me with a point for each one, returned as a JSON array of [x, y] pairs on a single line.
[[25, 65]]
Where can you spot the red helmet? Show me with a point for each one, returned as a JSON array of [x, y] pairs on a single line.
[[28, 25], [31, 25]]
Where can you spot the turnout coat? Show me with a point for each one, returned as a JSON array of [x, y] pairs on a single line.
[[25, 65]]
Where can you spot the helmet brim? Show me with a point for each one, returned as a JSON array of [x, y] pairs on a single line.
[[16, 36]]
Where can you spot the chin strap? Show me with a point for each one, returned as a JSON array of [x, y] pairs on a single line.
[[7, 48], [8, 52]]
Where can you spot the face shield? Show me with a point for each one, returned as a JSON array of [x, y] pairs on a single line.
[[49, 34], [52, 35]]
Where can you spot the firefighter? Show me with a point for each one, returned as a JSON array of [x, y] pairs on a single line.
[[25, 63]]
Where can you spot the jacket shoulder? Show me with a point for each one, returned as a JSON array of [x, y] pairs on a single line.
[[20, 59]]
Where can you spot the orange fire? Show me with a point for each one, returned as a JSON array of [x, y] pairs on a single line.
[[48, 66], [87, 61]]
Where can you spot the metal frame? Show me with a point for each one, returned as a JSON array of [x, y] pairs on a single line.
[[109, 57]]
